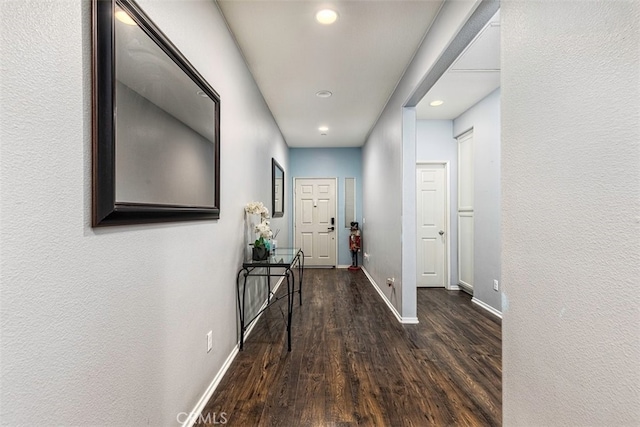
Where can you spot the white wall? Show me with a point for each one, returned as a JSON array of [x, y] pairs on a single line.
[[435, 141], [389, 171], [570, 203], [107, 326], [484, 118]]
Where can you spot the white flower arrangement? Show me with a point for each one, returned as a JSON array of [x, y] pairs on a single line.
[[263, 228], [257, 208]]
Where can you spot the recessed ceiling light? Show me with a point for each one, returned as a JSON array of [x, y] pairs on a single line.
[[323, 128], [323, 94], [124, 17], [326, 16], [436, 103]]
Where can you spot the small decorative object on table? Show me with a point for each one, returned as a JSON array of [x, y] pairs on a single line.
[[261, 248], [259, 253], [274, 242]]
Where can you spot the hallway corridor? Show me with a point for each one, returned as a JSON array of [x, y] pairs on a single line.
[[352, 363]]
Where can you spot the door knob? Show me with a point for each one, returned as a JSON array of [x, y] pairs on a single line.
[[441, 233], [331, 228]]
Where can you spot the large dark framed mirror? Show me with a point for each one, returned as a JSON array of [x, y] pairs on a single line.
[[156, 124], [277, 189]]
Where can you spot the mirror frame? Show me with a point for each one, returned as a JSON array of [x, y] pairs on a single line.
[[106, 210], [275, 166]]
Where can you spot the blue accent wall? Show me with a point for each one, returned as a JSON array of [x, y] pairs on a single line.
[[338, 163]]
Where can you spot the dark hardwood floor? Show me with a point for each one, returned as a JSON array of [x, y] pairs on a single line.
[[353, 363]]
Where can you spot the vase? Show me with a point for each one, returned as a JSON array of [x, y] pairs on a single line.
[[259, 253]]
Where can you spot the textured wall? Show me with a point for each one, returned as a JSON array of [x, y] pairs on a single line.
[[338, 163], [570, 203], [484, 118], [108, 326], [382, 186]]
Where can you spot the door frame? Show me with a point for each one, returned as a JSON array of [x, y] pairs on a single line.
[[447, 228], [294, 200]]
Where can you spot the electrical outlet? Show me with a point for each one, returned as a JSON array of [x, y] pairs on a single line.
[[496, 286], [391, 281], [209, 341]]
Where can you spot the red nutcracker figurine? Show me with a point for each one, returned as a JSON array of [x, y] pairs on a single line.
[[354, 245]]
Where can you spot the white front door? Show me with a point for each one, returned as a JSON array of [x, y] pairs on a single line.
[[316, 221], [432, 215]]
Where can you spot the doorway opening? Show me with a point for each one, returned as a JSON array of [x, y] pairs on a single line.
[[457, 120]]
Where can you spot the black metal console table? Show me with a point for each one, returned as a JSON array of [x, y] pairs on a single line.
[[284, 261]]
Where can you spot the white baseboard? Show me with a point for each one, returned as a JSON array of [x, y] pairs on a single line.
[[487, 307], [453, 288], [343, 266], [404, 320], [197, 410], [464, 287]]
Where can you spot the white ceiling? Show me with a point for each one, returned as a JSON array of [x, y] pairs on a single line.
[[360, 58], [471, 77]]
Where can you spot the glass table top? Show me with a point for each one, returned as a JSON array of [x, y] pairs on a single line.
[[281, 257]]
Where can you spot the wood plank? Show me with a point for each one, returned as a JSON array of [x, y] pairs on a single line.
[[352, 363]]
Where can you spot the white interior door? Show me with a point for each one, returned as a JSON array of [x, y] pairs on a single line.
[[465, 249], [432, 216], [315, 220], [465, 210]]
